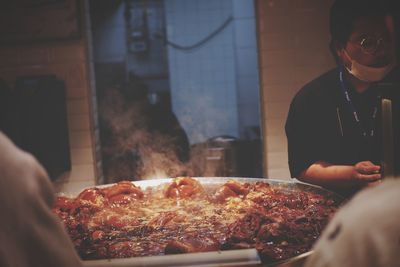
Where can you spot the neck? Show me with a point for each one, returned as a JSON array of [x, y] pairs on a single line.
[[359, 86]]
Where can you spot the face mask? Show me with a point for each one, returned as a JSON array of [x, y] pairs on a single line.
[[368, 74]]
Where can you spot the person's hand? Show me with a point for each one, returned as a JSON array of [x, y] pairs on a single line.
[[366, 171]]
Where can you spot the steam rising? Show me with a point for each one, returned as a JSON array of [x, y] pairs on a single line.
[[132, 149], [206, 116]]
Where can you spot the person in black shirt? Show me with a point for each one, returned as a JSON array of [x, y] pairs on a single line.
[[333, 122]]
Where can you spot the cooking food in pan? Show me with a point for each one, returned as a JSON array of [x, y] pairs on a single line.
[[184, 215]]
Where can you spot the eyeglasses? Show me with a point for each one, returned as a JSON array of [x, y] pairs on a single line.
[[369, 44]]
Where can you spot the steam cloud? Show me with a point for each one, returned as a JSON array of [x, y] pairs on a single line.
[[130, 150]]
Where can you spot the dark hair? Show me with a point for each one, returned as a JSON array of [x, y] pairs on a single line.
[[344, 13]]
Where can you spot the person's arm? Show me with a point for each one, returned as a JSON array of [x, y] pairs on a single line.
[[341, 176], [31, 235]]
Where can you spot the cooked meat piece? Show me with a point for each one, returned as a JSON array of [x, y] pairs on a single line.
[[64, 204], [238, 188], [123, 188], [246, 229], [162, 219], [114, 218], [184, 187], [121, 199], [270, 231], [223, 193]]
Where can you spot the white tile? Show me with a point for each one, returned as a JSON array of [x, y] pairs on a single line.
[[316, 57], [293, 43], [280, 93], [77, 106], [278, 159], [281, 174], [245, 33], [275, 7], [77, 93], [81, 139], [276, 143], [275, 58], [279, 75], [243, 8], [81, 156], [79, 122], [247, 61], [249, 115], [276, 110], [248, 90], [275, 127], [80, 173], [67, 53], [277, 24], [33, 55], [308, 73]]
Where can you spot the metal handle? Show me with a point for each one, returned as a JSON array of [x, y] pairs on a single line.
[[387, 139]]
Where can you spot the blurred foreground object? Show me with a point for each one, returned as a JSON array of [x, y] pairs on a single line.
[[365, 232], [30, 234]]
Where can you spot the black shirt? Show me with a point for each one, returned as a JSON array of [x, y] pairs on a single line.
[[321, 127]]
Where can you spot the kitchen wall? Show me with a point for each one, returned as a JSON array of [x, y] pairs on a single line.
[[214, 86], [70, 62], [108, 26], [221, 74], [293, 49]]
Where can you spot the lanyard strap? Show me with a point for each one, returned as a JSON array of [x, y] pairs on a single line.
[[353, 109]]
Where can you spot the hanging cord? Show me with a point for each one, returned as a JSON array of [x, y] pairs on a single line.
[[203, 41]]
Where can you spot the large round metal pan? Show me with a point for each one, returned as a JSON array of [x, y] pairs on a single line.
[[211, 183]]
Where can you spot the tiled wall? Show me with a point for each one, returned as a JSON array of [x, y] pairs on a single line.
[[108, 25], [293, 49], [203, 85], [214, 87], [247, 75], [68, 60]]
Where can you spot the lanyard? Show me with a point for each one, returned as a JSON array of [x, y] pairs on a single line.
[[353, 109]]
